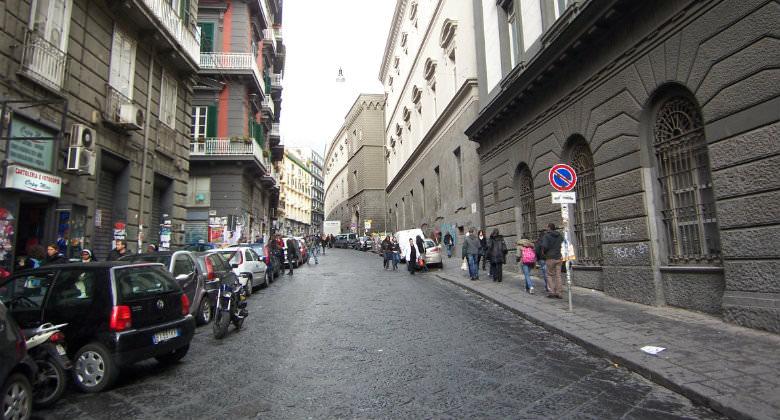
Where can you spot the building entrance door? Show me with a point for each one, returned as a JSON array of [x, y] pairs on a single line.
[[31, 226]]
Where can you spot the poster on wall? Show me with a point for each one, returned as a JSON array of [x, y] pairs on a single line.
[[7, 232], [120, 231], [165, 233]]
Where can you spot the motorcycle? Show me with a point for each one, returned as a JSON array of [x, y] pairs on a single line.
[[231, 306], [46, 346]]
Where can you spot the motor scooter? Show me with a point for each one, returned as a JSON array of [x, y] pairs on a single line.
[[231, 306], [46, 346]]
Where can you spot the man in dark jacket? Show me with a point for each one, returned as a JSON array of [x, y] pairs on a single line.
[[448, 243], [292, 253], [411, 257], [551, 249], [540, 258], [497, 253], [119, 250], [53, 256], [387, 252]]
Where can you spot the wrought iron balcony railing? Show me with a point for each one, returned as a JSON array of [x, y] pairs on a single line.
[[175, 26], [223, 146], [232, 61], [43, 62]]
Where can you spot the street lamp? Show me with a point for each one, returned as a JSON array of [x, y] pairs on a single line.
[[340, 78]]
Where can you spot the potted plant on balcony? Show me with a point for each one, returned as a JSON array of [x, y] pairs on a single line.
[[237, 139]]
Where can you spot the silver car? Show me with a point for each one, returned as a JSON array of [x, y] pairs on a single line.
[[433, 254]]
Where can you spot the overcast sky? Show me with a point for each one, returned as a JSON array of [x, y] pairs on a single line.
[[320, 37]]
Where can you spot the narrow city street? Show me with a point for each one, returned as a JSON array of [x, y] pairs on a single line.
[[347, 339]]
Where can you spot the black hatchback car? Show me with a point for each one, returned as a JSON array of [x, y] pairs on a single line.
[[17, 370], [117, 314]]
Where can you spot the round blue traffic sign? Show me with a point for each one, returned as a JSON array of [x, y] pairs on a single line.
[[562, 177]]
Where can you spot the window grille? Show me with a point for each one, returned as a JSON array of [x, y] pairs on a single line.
[[686, 184], [586, 220], [527, 206]]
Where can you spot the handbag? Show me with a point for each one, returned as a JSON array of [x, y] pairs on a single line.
[[420, 262], [464, 266]]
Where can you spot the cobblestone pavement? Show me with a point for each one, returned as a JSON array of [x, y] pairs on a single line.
[[347, 339]]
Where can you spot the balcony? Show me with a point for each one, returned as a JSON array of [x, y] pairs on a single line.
[[274, 133], [269, 39], [43, 62], [121, 112], [237, 63], [268, 107], [224, 149], [276, 82], [175, 26]]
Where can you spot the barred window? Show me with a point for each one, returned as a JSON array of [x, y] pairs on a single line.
[[527, 207], [686, 184], [586, 219]]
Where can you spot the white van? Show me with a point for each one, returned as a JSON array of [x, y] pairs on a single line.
[[403, 236]]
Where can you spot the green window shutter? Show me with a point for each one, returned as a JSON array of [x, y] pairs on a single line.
[[206, 37], [258, 134], [184, 11], [211, 121]]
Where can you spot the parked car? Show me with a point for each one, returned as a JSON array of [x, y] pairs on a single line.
[[199, 246], [303, 250], [365, 243], [433, 254], [214, 269], [244, 260], [298, 261], [346, 240], [185, 271], [17, 370], [117, 314]]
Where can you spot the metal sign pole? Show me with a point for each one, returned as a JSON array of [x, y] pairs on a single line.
[[566, 242]]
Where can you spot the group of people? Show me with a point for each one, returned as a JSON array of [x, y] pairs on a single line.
[[415, 258], [478, 248], [38, 256]]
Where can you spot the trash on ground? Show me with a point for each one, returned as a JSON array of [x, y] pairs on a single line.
[[652, 349]]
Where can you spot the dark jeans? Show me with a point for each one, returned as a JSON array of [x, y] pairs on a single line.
[[497, 270], [387, 259], [410, 265], [396, 260]]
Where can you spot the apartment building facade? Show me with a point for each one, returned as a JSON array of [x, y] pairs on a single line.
[[429, 74], [354, 159], [297, 188], [667, 112], [314, 162], [235, 148], [94, 100]]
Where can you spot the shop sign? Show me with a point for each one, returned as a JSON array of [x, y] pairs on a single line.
[[21, 178], [34, 153]]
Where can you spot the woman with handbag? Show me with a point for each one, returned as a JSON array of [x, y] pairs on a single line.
[[421, 263]]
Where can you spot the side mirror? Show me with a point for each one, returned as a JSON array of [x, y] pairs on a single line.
[[182, 277]]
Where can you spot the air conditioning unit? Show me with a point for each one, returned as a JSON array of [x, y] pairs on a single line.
[[82, 136], [81, 160], [131, 116]]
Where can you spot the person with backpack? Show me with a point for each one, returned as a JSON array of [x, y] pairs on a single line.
[[527, 258]]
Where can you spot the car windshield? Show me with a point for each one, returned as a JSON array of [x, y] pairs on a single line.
[[232, 256], [140, 282], [27, 290], [152, 258], [429, 244]]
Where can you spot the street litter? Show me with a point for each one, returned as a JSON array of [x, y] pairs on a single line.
[[652, 349]]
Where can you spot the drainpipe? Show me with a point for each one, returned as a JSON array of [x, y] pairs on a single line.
[[146, 149]]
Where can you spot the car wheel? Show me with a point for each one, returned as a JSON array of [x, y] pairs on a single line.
[[17, 397], [94, 370], [49, 384], [174, 356], [266, 277], [205, 310], [249, 286]]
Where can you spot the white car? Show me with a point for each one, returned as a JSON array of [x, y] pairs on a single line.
[[245, 261], [433, 254]]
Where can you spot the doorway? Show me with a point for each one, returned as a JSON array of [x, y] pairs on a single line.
[[31, 227]]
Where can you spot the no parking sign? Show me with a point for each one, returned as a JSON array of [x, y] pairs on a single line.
[[562, 177]]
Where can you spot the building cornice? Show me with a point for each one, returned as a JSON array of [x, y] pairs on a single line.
[[468, 88], [400, 8]]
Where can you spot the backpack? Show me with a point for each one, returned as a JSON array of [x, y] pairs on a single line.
[[529, 256]]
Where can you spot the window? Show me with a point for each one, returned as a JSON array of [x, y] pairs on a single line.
[[438, 187], [525, 196], [206, 37], [686, 183], [122, 69], [26, 292], [559, 7], [459, 164], [396, 63], [168, 100], [139, 282], [199, 191], [73, 288], [531, 17], [586, 220], [404, 37], [495, 191], [183, 265], [406, 115], [511, 23], [416, 95], [199, 121], [413, 13], [422, 196], [51, 20]]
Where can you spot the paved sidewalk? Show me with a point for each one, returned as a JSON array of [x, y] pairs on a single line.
[[733, 370]]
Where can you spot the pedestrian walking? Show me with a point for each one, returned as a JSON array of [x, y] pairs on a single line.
[[411, 257], [551, 249], [497, 253], [292, 254], [470, 253], [448, 243], [86, 256], [483, 247], [387, 252], [313, 251], [53, 256], [396, 247], [540, 259], [120, 249], [322, 242], [269, 255], [421, 249], [526, 256]]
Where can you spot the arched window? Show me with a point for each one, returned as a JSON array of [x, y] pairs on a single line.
[[686, 183], [524, 193], [416, 94], [586, 218]]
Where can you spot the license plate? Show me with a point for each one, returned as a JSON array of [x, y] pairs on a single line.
[[165, 335], [61, 349]]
